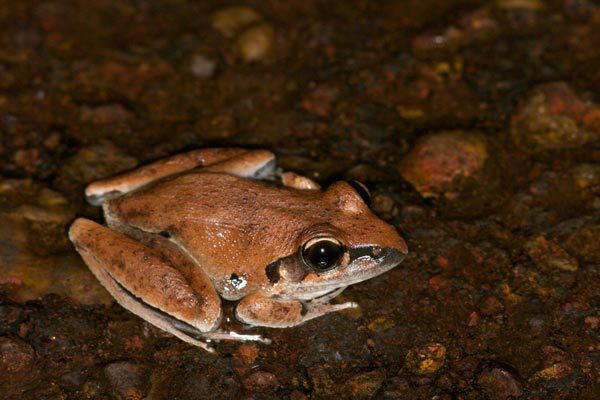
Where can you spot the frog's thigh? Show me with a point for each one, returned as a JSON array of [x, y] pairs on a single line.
[[99, 191], [143, 282], [255, 164], [265, 311]]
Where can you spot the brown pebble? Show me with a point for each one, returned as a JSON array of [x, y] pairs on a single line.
[[548, 256], [104, 114], [18, 371], [127, 380], [426, 359], [365, 385], [499, 383], [261, 381], [248, 352], [552, 117], [584, 244], [256, 42], [439, 164], [319, 101], [230, 20], [202, 66], [491, 306]]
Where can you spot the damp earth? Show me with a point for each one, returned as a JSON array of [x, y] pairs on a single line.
[[475, 124]]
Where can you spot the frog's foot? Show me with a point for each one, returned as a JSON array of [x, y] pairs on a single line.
[[296, 181], [142, 282], [275, 313], [257, 164], [230, 335]]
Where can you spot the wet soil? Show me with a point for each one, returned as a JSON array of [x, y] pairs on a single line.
[[475, 124]]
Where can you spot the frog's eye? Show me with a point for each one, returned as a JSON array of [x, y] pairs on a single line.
[[362, 191], [322, 253]]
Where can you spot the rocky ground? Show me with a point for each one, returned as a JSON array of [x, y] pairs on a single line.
[[475, 124]]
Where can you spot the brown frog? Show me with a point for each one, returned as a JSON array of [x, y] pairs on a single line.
[[187, 231]]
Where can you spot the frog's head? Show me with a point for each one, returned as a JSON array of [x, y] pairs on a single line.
[[342, 243]]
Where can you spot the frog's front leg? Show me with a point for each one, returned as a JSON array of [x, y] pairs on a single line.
[[144, 283], [259, 310]]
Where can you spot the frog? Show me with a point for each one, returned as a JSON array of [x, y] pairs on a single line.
[[188, 232]]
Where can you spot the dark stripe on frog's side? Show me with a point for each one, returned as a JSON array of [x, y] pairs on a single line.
[[272, 272]]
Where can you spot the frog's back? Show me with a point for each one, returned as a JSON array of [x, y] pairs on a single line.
[[208, 212]]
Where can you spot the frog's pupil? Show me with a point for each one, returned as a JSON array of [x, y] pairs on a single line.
[[324, 254]]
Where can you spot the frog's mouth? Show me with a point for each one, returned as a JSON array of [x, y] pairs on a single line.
[[364, 263]]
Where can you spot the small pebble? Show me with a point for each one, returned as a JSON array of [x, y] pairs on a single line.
[[586, 177], [128, 381], [552, 117], [548, 256], [426, 359], [18, 370], [105, 114], [491, 306], [584, 244], [365, 385], [256, 42], [440, 163], [261, 381], [319, 101], [230, 20], [202, 66], [499, 383]]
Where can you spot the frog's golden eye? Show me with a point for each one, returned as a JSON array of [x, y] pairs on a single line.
[[362, 191], [322, 253]]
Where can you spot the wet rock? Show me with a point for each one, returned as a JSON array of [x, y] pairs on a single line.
[[94, 162], [261, 381], [499, 383], [455, 167], [529, 5], [384, 206], [32, 244], [556, 371], [256, 42], [381, 324], [229, 21], [34, 214], [105, 114], [365, 385], [548, 256], [556, 365], [426, 359], [18, 371], [128, 381], [247, 352], [586, 178], [552, 117], [319, 101], [438, 163], [202, 66], [183, 378], [584, 244], [321, 381], [254, 37], [474, 27], [491, 306]]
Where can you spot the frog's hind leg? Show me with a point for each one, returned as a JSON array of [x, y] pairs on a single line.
[[242, 162], [142, 282]]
